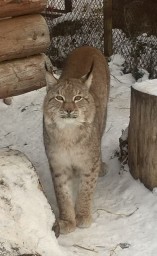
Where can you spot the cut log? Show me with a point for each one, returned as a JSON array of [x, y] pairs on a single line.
[[142, 137], [22, 75], [23, 36], [11, 8]]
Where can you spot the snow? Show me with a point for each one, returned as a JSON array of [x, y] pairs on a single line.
[[26, 218], [147, 86], [144, 75], [116, 63], [124, 134], [124, 211]]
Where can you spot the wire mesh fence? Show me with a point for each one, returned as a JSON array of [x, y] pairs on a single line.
[[82, 26], [73, 23], [135, 35]]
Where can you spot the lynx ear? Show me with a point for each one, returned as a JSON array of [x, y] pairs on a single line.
[[88, 78], [50, 81]]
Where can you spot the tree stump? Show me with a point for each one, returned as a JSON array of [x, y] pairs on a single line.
[[142, 137]]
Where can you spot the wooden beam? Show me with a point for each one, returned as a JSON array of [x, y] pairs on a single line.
[[23, 36], [107, 9], [11, 8]]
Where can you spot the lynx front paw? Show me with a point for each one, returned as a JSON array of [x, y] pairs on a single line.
[[56, 228], [103, 169], [66, 226], [83, 221]]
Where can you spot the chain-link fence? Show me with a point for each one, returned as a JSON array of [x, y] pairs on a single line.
[[135, 35], [73, 23], [82, 26]]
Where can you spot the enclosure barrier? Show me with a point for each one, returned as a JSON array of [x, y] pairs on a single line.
[[125, 27], [24, 37]]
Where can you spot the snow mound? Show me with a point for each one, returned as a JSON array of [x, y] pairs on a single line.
[[26, 218], [148, 86], [116, 65]]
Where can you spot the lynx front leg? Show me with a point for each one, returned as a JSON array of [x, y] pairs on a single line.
[[66, 220], [85, 196]]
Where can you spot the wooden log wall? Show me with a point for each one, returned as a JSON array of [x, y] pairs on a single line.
[[24, 36]]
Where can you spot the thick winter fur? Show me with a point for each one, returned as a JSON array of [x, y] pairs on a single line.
[[75, 110]]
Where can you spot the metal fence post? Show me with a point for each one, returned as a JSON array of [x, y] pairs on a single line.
[[68, 5], [107, 9]]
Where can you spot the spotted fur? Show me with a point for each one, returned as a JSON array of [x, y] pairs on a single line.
[[75, 110]]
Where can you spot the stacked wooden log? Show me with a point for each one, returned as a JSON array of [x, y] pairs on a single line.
[[24, 36]]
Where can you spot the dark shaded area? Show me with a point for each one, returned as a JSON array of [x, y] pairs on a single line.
[[135, 16], [134, 33], [30, 254], [66, 28]]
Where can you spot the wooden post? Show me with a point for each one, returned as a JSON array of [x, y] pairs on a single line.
[[142, 137], [68, 5], [107, 9]]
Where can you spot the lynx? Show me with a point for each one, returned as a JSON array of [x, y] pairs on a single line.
[[75, 110]]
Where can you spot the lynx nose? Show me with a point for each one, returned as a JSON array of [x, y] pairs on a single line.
[[69, 111], [68, 107]]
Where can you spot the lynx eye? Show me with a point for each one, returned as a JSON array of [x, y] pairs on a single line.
[[77, 98], [59, 98]]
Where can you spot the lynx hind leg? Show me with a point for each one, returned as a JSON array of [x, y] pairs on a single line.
[[103, 169], [83, 205], [67, 222]]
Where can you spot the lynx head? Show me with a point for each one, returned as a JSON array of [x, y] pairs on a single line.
[[69, 102]]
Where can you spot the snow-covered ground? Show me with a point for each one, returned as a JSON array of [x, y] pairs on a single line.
[[124, 211]]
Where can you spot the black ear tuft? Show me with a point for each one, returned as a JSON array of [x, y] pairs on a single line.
[[50, 81]]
